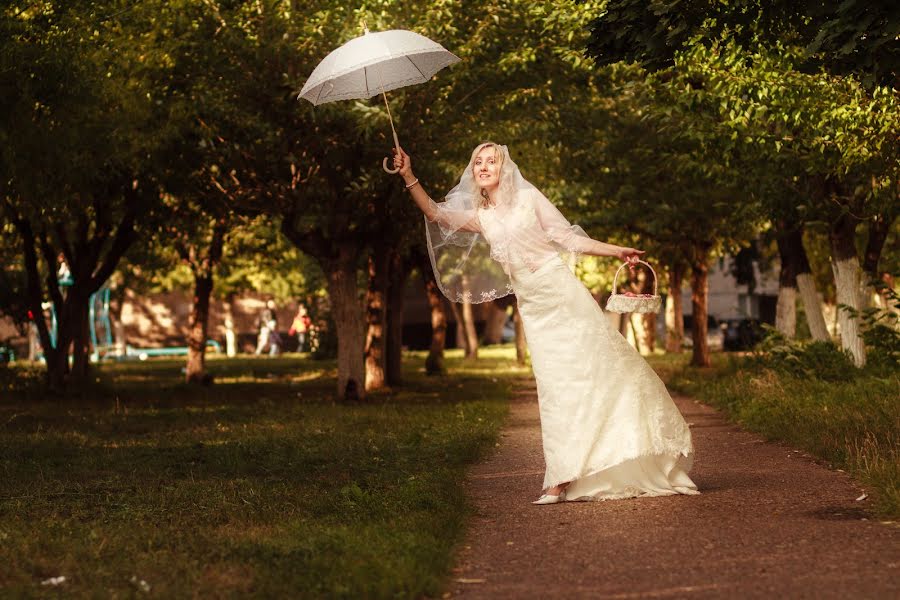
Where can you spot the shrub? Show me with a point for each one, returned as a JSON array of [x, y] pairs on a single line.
[[816, 359]]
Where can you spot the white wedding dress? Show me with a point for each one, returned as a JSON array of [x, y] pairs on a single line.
[[608, 424]]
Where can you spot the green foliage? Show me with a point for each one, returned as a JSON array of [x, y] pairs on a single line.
[[850, 37], [820, 360], [884, 342], [258, 486], [12, 277]]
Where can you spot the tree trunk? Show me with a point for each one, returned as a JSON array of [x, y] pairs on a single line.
[[462, 340], [786, 308], [203, 263], [879, 227], [57, 371], [624, 324], [81, 337], [674, 309], [521, 344], [699, 296], [55, 358], [645, 332], [845, 265], [348, 321], [469, 330], [806, 285], [92, 255], [198, 329], [465, 324], [398, 274], [495, 319], [376, 311], [812, 306], [786, 311], [434, 363]]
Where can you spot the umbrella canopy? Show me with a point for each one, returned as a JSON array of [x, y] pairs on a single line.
[[375, 63]]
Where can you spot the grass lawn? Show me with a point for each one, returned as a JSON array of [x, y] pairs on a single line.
[[258, 485], [853, 423]]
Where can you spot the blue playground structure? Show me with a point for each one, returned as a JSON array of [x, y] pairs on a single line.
[[101, 331], [99, 324], [145, 353]]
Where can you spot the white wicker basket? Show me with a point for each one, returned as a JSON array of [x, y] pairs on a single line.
[[634, 303]]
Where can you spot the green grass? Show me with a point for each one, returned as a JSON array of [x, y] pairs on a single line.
[[853, 424], [256, 486]]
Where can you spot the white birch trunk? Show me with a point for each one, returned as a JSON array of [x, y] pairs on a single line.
[[846, 280], [786, 312], [812, 306]]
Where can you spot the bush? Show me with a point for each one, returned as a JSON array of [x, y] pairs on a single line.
[[884, 344], [820, 360]]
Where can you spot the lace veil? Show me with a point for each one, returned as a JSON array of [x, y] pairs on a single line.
[[475, 247]]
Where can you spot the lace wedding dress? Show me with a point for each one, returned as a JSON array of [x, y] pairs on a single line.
[[608, 423]]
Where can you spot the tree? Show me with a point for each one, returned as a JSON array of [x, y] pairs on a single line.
[[333, 201], [841, 138], [772, 67], [851, 37], [92, 131]]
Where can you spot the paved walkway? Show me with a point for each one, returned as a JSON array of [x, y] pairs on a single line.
[[770, 523]]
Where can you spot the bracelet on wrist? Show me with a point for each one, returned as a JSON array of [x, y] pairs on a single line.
[[413, 184]]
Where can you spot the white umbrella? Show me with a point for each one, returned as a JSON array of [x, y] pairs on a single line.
[[375, 63]]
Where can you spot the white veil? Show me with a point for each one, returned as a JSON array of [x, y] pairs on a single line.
[[474, 247]]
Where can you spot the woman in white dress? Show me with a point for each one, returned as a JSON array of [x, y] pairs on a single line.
[[609, 427]]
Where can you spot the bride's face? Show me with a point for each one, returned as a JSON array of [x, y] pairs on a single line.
[[486, 168]]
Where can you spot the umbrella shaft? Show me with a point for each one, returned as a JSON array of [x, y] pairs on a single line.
[[390, 118]]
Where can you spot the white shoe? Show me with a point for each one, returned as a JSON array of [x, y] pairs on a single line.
[[548, 499]]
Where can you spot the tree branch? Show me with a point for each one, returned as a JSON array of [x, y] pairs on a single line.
[[124, 237]]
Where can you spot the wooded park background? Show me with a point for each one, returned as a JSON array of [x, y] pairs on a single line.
[[160, 145]]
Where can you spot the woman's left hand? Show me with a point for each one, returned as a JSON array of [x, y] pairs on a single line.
[[629, 255]]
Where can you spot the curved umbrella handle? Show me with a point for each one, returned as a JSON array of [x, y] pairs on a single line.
[[384, 165]]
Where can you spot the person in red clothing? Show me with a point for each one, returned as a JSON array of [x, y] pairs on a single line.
[[300, 327]]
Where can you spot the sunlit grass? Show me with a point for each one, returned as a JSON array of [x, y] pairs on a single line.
[[259, 485], [852, 424]]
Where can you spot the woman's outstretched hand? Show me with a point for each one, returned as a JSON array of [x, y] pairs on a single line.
[[403, 162], [629, 255]]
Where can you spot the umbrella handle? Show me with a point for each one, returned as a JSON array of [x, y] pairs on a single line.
[[384, 165]]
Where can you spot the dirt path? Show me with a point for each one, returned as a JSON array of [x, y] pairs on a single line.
[[770, 523]]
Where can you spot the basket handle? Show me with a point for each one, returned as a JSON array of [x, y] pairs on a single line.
[[615, 285]]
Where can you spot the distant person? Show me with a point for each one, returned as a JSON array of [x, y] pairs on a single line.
[[268, 331], [300, 327], [230, 338], [63, 274]]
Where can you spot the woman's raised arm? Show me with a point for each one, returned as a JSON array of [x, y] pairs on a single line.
[[452, 220]]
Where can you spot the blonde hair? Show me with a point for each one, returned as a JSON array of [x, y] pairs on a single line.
[[498, 157]]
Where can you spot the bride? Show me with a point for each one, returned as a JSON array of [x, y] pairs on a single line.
[[609, 427]]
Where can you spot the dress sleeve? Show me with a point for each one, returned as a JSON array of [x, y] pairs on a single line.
[[568, 237], [452, 220]]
